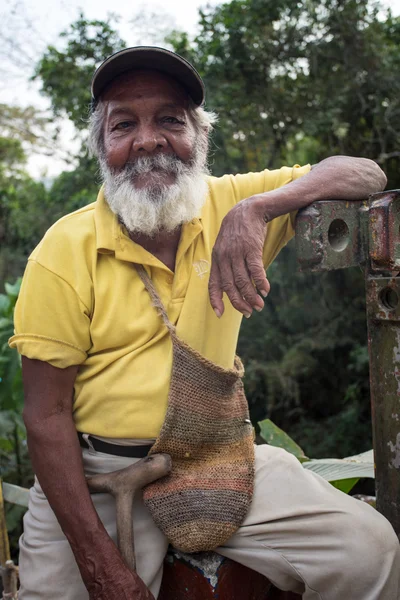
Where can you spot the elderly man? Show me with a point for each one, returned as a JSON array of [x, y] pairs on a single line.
[[98, 359]]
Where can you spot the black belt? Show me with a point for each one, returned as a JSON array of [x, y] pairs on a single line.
[[116, 449]]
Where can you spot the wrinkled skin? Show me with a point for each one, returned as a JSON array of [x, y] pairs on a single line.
[[117, 582], [237, 268]]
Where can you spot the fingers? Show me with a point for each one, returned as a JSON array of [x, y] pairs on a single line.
[[215, 289], [237, 281], [222, 280], [243, 284], [237, 267], [230, 288], [257, 273]]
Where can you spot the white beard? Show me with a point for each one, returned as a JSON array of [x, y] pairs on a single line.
[[157, 206]]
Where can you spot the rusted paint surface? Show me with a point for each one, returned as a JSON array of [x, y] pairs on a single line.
[[383, 313], [384, 231], [208, 576], [331, 235]]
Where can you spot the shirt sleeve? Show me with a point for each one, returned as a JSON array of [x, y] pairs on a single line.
[[51, 322], [282, 229], [234, 188]]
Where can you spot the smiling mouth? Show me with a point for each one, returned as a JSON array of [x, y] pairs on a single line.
[[155, 175]]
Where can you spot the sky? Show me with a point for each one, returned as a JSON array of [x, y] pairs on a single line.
[[27, 27]]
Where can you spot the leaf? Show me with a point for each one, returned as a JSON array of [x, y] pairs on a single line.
[[13, 289], [345, 485], [14, 515], [16, 494], [337, 469], [274, 436], [4, 304], [7, 422]]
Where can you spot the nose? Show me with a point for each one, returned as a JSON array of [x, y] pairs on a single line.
[[148, 139]]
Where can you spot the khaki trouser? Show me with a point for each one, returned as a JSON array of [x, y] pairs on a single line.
[[301, 533]]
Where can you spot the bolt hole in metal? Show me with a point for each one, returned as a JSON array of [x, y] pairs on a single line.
[[389, 298], [338, 235]]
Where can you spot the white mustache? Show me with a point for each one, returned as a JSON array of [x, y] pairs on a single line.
[[169, 163]]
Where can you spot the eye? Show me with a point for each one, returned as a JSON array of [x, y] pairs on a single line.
[[123, 125], [173, 120]]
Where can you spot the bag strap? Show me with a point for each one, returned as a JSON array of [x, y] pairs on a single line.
[[155, 298]]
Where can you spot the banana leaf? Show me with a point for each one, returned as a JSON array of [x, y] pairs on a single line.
[[275, 436], [342, 473]]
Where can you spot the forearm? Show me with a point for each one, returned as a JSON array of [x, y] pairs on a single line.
[[57, 461], [336, 178]]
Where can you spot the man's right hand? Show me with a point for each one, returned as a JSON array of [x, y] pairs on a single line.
[[121, 585], [113, 580]]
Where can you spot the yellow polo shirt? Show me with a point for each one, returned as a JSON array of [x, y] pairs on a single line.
[[82, 303]]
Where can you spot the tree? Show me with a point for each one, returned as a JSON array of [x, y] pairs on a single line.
[[23, 201], [307, 78], [28, 127], [66, 74]]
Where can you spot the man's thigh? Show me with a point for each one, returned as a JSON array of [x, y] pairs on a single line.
[[306, 536], [48, 570]]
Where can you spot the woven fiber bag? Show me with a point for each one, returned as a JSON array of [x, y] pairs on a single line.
[[209, 436]]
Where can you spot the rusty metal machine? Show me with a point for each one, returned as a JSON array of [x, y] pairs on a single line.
[[339, 234]]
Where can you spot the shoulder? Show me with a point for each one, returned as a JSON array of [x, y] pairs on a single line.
[[237, 187], [71, 237]]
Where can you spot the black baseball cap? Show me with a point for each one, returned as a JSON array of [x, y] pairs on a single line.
[[148, 57]]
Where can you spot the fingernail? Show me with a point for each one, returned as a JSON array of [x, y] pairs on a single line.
[[217, 313], [264, 293], [258, 308], [247, 315]]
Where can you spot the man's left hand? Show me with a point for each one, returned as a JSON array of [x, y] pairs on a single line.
[[237, 265]]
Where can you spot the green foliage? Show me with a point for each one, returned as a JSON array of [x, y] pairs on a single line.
[[24, 217], [24, 127], [66, 74], [343, 474], [306, 358], [13, 465], [275, 436], [345, 485], [295, 81], [74, 189], [24, 210]]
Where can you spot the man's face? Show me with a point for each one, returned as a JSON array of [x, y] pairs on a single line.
[[146, 115], [154, 158]]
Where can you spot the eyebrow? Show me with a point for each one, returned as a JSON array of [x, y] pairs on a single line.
[[172, 105], [117, 111]]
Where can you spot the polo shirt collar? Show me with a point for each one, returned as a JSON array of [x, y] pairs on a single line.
[[106, 224], [112, 237]]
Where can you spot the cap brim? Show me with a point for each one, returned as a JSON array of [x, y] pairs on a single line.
[[149, 57]]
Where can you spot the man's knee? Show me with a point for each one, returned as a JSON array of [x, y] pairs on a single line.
[[369, 541]]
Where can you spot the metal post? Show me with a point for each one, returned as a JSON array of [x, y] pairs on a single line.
[[339, 234]]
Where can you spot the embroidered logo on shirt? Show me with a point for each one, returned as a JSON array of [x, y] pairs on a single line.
[[201, 267]]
